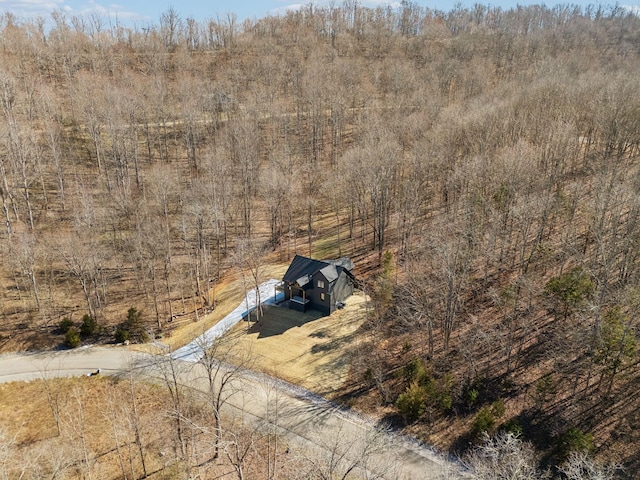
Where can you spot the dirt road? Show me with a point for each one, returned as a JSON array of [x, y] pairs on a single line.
[[300, 416]]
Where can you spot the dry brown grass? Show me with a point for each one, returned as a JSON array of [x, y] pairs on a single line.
[[313, 352], [24, 410], [309, 350], [90, 408], [228, 295]]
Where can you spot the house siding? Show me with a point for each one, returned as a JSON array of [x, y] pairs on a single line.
[[315, 294], [309, 272], [342, 289]]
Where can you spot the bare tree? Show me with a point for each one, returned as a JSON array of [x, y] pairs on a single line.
[[78, 425], [192, 96], [25, 260], [82, 261], [373, 188], [224, 366], [162, 193], [249, 256], [419, 309], [275, 189], [92, 114], [114, 416], [239, 446], [169, 369], [580, 466], [136, 422], [452, 256], [53, 398], [7, 454], [504, 457], [53, 138], [243, 149], [8, 99], [348, 453], [171, 24]]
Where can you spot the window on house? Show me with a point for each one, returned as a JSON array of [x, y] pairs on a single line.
[[320, 284], [322, 297]]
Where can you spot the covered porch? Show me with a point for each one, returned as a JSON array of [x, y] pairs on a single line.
[[295, 296]]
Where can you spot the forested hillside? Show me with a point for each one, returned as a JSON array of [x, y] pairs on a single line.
[[479, 165]]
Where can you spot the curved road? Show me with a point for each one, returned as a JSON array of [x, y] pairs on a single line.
[[302, 417]]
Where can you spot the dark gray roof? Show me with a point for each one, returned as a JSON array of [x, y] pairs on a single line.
[[302, 268], [330, 272], [344, 262]]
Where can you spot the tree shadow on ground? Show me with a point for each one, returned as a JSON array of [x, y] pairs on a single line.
[[313, 413], [392, 420], [277, 320], [333, 344]]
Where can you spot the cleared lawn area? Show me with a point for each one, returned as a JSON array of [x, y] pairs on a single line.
[[309, 349]]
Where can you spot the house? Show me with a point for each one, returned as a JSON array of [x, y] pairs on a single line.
[[316, 284]]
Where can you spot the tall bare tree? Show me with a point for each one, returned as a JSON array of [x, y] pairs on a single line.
[[224, 365]]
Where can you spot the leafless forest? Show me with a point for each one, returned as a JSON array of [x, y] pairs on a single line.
[[126, 428], [479, 166]]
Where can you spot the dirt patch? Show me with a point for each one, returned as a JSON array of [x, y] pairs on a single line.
[[310, 350]]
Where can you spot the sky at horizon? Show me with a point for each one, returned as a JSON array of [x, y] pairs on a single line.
[[145, 12]]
